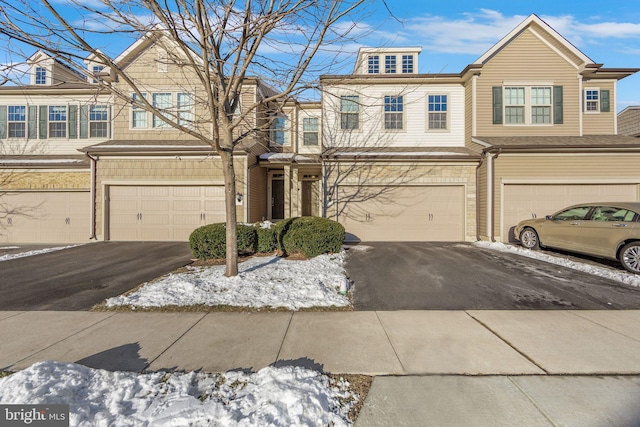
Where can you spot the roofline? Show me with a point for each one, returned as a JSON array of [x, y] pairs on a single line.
[[561, 148]]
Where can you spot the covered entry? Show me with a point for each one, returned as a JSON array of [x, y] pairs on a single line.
[[403, 213]]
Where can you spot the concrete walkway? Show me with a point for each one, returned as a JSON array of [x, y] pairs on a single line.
[[432, 367]]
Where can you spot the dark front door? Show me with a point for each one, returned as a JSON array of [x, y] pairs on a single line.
[[277, 199]]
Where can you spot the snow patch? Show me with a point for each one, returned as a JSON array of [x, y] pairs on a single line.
[[31, 253]]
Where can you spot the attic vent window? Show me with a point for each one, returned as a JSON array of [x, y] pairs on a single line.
[[41, 76]]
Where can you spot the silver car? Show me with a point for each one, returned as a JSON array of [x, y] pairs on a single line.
[[605, 230]]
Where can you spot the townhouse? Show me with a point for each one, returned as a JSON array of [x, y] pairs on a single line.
[[391, 153]]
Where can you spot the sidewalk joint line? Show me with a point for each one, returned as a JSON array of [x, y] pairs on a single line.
[[284, 337], [507, 342], [390, 343], [173, 343], [605, 327], [533, 402]]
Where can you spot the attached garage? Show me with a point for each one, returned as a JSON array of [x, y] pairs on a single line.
[[407, 213], [161, 213], [526, 201], [45, 217]]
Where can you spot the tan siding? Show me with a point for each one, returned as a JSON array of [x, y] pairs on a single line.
[[482, 199], [46, 180], [557, 44], [600, 123], [629, 122], [562, 169], [162, 172], [468, 111], [257, 194], [528, 59]]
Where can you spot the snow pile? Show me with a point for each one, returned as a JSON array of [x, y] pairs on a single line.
[[602, 271], [271, 397], [30, 253], [262, 282]]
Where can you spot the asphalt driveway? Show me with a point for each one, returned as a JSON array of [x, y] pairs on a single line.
[[77, 278], [461, 276]]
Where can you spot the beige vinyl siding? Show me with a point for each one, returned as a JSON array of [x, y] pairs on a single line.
[[257, 194], [166, 171], [557, 168], [528, 59], [556, 43], [46, 180], [600, 123], [468, 111]]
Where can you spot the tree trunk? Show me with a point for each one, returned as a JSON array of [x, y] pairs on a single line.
[[230, 206]]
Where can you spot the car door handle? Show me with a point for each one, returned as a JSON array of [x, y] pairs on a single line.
[[619, 225], [574, 223]]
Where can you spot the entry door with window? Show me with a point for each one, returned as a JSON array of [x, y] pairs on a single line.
[[277, 198]]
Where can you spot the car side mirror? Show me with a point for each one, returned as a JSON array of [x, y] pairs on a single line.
[[548, 217]]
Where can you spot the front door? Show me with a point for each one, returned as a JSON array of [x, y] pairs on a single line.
[[310, 196], [277, 199]]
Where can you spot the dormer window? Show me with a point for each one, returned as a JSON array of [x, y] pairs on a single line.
[[96, 69], [373, 64], [41, 76], [407, 64], [390, 64]]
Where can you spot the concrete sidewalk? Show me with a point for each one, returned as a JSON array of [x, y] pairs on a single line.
[[433, 368], [374, 343]]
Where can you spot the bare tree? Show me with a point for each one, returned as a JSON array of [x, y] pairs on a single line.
[[217, 44]]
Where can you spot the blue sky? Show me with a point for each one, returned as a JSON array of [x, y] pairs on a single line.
[[453, 34]]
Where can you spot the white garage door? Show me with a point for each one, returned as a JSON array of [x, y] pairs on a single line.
[[525, 201], [162, 213], [404, 214], [45, 217]]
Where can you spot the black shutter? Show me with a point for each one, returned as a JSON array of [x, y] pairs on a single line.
[[557, 105], [497, 105], [605, 101]]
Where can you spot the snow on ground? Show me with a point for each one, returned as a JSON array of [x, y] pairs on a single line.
[[602, 271], [30, 253], [262, 282], [287, 396]]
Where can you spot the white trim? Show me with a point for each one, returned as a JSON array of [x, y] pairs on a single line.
[[598, 154], [566, 181], [161, 183], [614, 107], [481, 142], [474, 106], [580, 104], [490, 203]]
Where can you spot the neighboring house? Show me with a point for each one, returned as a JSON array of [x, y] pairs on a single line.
[[391, 153], [629, 121]]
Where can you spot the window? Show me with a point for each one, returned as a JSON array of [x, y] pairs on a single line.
[[138, 115], [185, 109], [349, 112], [98, 121], [578, 213], [96, 70], [17, 121], [161, 101], [437, 111], [278, 127], [393, 110], [41, 76], [57, 122], [540, 105], [310, 131], [591, 100], [390, 64], [607, 213], [514, 104], [373, 63], [407, 64]]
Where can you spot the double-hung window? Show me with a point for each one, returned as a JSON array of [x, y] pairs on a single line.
[[138, 115], [278, 130], [592, 100], [390, 64], [437, 111], [96, 69], [540, 105], [514, 105], [185, 109], [57, 121], [393, 112], [98, 121], [17, 121], [41, 76], [373, 64], [310, 130], [162, 102], [349, 112], [407, 64]]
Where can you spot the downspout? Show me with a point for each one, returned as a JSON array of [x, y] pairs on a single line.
[[92, 192], [491, 191], [483, 158]]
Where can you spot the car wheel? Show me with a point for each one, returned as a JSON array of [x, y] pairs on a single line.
[[630, 257], [529, 239]]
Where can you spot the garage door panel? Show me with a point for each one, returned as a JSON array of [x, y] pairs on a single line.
[[526, 201], [420, 213]]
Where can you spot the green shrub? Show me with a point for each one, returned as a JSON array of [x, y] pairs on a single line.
[[311, 236], [280, 230], [267, 241], [209, 241]]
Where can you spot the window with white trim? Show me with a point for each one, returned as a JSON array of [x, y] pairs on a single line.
[[57, 121], [138, 115], [393, 112], [514, 105], [437, 107], [161, 101], [540, 105], [592, 100], [17, 121], [279, 127], [407, 64], [41, 76], [310, 129], [96, 69], [373, 64], [349, 112], [185, 109], [390, 64], [98, 121]]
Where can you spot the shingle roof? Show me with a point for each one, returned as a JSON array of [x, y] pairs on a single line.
[[192, 145], [32, 161], [559, 142], [402, 153]]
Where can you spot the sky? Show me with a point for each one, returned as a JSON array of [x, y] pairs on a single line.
[[453, 33]]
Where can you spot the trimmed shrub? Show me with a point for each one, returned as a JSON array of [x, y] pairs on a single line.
[[312, 236], [267, 241], [280, 230], [209, 241]]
